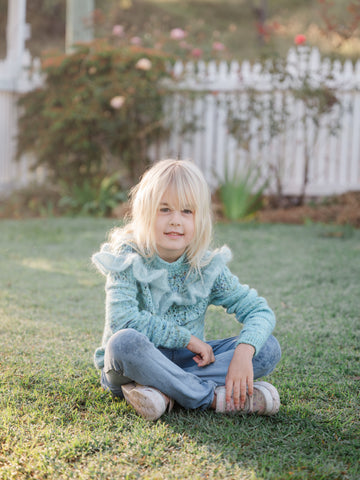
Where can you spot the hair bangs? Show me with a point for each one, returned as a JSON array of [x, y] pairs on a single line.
[[184, 190], [188, 189]]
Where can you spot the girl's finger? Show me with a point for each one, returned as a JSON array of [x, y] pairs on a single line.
[[236, 396], [250, 386], [242, 394], [229, 390], [197, 359]]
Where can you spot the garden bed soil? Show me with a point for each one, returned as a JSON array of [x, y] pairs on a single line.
[[340, 210]]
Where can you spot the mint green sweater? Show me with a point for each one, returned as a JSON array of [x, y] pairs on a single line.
[[168, 304]]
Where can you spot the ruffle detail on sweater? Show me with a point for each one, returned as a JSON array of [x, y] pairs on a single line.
[[196, 286]]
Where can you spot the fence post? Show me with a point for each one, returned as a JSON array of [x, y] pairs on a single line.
[[79, 24]]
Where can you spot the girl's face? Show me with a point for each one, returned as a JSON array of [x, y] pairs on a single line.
[[174, 228]]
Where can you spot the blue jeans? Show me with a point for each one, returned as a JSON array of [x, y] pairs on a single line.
[[130, 356]]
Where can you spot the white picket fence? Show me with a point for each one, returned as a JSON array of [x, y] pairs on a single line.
[[203, 96], [334, 165]]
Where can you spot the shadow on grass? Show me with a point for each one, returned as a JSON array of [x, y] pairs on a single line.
[[298, 442], [295, 442]]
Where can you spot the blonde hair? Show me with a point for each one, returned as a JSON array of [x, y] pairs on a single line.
[[192, 191]]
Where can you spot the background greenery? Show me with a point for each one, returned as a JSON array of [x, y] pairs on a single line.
[[94, 148], [56, 422], [232, 22], [94, 151]]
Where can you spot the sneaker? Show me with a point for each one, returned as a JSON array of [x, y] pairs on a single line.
[[148, 402], [274, 394], [264, 401]]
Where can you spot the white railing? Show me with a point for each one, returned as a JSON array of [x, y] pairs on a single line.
[[204, 95]]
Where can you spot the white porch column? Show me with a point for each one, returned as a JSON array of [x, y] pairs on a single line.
[[14, 79], [79, 26], [17, 32]]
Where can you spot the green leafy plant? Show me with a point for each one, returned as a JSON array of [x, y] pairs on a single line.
[[241, 191], [90, 199], [100, 108]]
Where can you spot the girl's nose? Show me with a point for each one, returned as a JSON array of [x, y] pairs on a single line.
[[175, 219]]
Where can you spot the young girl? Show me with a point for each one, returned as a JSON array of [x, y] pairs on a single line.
[[161, 278]]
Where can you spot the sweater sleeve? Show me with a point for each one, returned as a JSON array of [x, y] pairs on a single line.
[[249, 308], [122, 311]]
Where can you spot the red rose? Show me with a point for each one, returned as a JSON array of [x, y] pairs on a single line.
[[299, 39]]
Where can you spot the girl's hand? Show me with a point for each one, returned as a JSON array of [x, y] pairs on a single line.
[[240, 376], [204, 352]]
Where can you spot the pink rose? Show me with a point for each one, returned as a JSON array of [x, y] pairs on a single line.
[[135, 41], [177, 34], [117, 102], [118, 31], [218, 46], [143, 64], [196, 52], [299, 39]]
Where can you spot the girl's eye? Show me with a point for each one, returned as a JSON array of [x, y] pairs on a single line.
[[164, 209], [187, 211]]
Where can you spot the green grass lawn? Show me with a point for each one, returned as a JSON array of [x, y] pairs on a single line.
[[57, 423]]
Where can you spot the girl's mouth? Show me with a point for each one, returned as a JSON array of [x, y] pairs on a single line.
[[174, 234]]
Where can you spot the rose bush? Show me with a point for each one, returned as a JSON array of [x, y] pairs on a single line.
[[99, 110]]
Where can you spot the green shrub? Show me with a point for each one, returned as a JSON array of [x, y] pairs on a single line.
[[241, 192], [96, 200], [100, 109]]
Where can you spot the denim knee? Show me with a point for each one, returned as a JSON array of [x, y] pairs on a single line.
[[123, 344], [267, 358], [275, 348]]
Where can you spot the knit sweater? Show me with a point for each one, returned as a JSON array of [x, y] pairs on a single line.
[[167, 301]]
